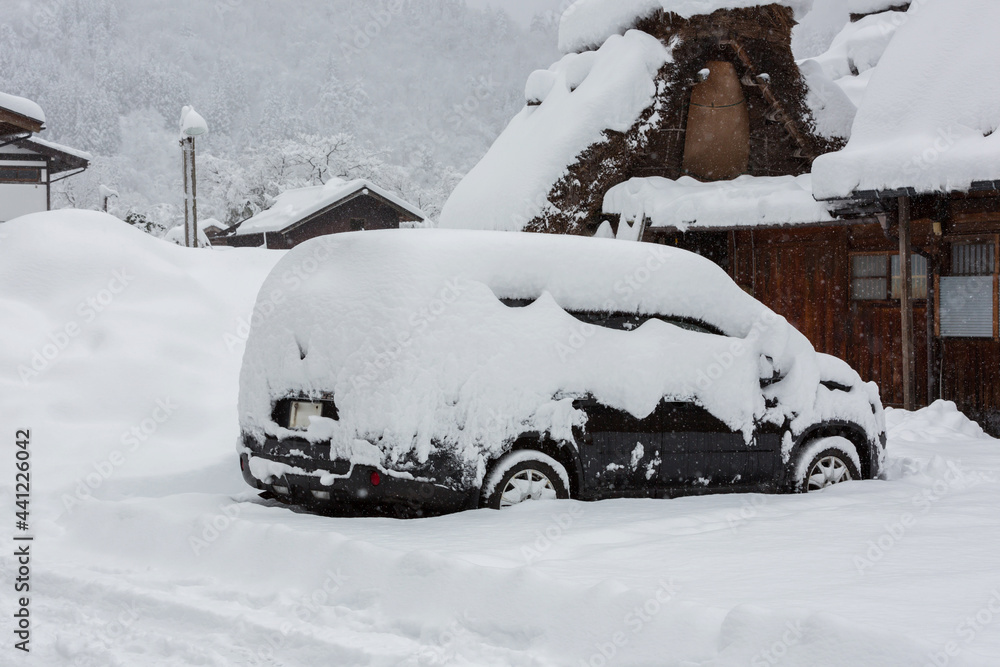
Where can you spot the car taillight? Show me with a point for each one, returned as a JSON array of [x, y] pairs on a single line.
[[376, 479]]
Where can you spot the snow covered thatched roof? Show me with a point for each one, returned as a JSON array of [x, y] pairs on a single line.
[[294, 206], [747, 201], [589, 23], [855, 52], [570, 106], [929, 117]]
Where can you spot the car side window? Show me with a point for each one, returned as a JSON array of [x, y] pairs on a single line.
[[623, 321]]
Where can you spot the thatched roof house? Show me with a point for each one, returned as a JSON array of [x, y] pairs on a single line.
[[824, 186], [701, 88]]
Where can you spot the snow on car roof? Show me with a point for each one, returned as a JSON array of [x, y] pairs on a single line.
[[929, 117], [294, 205], [746, 201], [588, 23], [406, 329], [580, 97], [22, 106]]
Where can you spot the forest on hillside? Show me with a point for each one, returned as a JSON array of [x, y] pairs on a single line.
[[407, 93]]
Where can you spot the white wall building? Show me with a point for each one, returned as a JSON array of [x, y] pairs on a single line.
[[29, 165]]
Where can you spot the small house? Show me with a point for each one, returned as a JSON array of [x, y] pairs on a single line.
[[30, 165], [337, 206]]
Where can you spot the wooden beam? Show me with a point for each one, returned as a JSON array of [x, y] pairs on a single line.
[[23, 123], [906, 305], [996, 287], [787, 121]]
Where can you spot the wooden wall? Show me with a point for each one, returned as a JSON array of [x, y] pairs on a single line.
[[374, 213], [805, 275]]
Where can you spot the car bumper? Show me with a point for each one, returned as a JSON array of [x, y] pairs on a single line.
[[354, 488]]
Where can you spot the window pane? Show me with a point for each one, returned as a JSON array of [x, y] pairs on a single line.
[[918, 267], [972, 259], [869, 266], [967, 306], [868, 288]]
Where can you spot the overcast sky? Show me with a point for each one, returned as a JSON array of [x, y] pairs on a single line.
[[520, 10]]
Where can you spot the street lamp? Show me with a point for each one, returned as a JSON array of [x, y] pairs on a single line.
[[192, 125]]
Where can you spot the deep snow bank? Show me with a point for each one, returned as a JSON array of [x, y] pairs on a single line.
[[121, 352]]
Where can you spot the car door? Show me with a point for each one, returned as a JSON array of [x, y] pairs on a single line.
[[678, 448], [701, 452], [620, 453]]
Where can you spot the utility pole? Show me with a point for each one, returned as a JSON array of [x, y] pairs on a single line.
[[187, 221], [192, 125], [906, 305]]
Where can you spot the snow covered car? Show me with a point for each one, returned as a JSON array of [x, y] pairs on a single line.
[[442, 370]]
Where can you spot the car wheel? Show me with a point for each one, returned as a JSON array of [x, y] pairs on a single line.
[[825, 462], [522, 476]]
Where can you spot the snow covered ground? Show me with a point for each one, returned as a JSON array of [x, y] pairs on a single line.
[[149, 550]]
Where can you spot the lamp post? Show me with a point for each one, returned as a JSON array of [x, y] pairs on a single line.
[[192, 125], [106, 194]]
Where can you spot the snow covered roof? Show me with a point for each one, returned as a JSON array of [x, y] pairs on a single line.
[[22, 107], [208, 223], [747, 201], [293, 206], [65, 158], [929, 117], [580, 97], [854, 54], [588, 23]]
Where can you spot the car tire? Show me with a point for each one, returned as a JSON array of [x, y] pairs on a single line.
[[521, 476], [824, 462]]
